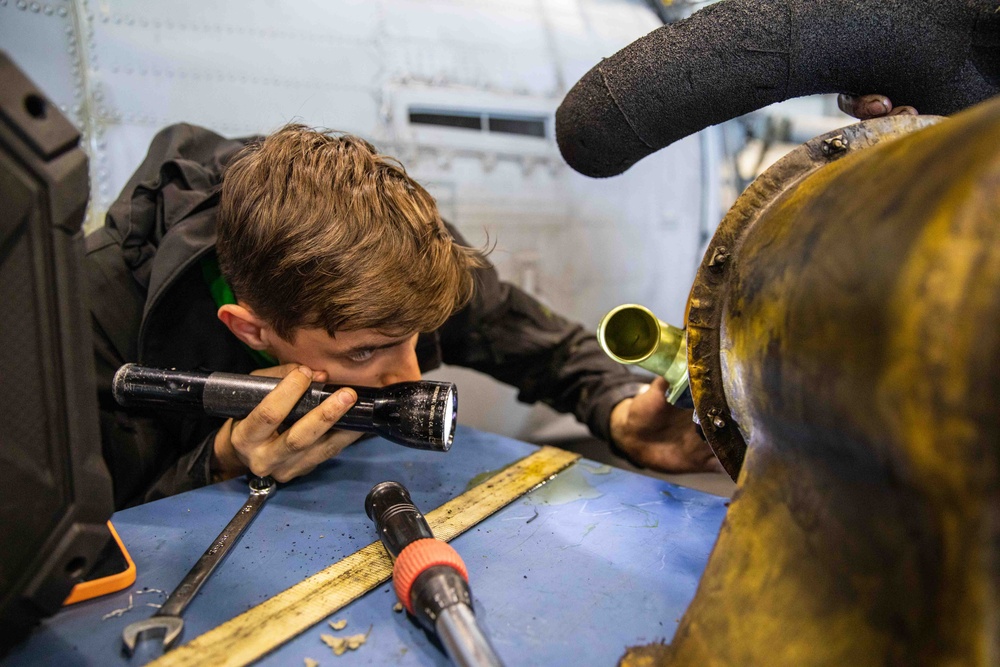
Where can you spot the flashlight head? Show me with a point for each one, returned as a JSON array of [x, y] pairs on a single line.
[[423, 414]]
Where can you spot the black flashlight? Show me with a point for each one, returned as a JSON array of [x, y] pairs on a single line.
[[421, 415]]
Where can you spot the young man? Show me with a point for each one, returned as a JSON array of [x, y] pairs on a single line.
[[318, 259]]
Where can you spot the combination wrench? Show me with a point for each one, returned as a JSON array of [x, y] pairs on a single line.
[[167, 621]]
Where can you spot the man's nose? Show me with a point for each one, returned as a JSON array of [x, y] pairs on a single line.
[[404, 367]]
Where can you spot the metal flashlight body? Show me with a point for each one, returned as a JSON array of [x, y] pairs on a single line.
[[429, 576], [421, 414]]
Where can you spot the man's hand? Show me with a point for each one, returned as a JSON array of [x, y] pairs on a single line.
[[864, 107], [654, 434], [258, 444]]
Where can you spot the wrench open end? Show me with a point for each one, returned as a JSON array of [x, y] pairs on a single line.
[[168, 626], [167, 621]]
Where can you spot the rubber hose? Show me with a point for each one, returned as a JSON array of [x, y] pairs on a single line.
[[737, 56]]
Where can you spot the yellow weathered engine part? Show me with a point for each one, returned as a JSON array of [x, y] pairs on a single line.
[[844, 359]]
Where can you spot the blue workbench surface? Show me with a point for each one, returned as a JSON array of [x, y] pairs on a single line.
[[596, 560]]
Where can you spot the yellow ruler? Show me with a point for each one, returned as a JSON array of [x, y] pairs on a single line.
[[260, 630]]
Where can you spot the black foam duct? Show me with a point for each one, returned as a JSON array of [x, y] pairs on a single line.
[[737, 56]]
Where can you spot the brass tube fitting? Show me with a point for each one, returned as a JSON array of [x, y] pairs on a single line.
[[632, 334]]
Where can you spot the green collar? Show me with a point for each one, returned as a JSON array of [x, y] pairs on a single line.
[[222, 294]]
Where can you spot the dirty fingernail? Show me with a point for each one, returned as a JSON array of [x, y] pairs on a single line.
[[876, 108]]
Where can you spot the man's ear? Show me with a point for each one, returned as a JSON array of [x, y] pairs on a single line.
[[245, 325]]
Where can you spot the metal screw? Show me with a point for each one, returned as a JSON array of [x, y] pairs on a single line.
[[719, 257], [834, 146]]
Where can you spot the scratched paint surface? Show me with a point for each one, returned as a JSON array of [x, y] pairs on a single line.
[[596, 560]]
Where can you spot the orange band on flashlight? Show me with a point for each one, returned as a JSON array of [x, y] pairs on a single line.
[[416, 558]]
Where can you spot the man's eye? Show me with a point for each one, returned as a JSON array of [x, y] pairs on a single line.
[[361, 355]]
